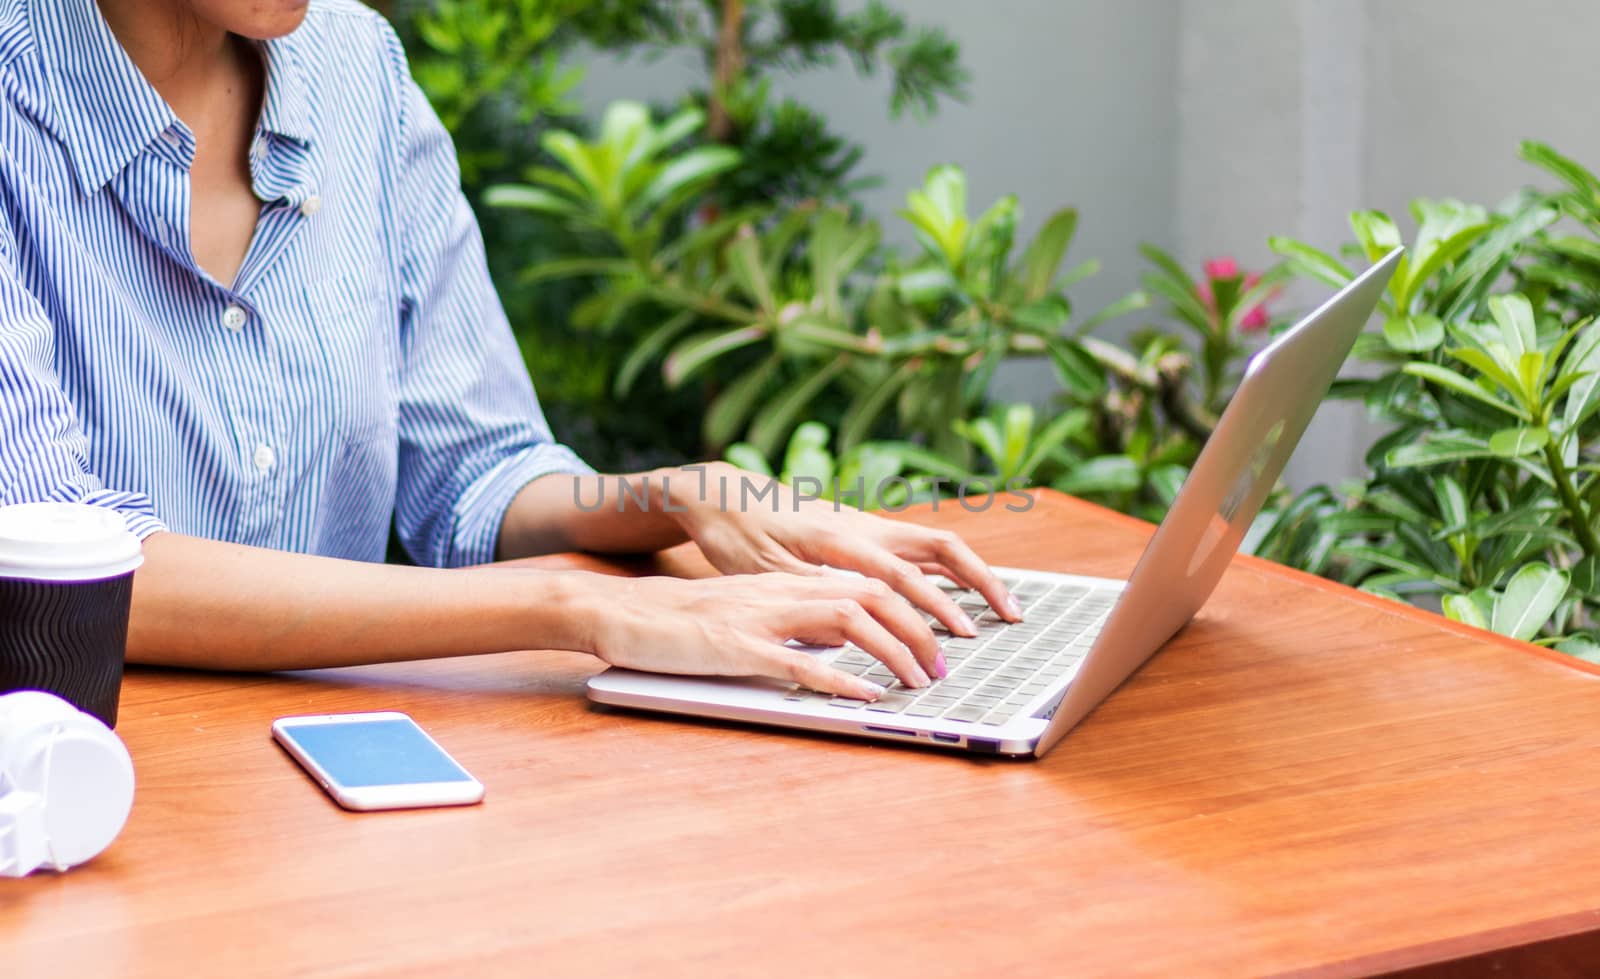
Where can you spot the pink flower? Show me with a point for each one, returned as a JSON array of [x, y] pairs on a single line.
[[1254, 320], [1256, 317]]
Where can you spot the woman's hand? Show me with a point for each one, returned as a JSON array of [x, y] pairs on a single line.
[[739, 625], [745, 533]]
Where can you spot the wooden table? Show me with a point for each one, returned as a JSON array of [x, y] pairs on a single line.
[[1308, 781]]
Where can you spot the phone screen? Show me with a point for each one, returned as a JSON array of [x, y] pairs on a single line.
[[386, 751]]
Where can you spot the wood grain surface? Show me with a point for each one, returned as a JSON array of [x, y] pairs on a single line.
[[1308, 781]]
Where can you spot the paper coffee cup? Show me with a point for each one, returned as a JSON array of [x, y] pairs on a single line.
[[66, 586]]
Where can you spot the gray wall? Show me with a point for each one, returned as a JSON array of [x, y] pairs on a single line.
[[1207, 125]]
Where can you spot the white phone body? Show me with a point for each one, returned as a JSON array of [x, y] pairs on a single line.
[[376, 760]]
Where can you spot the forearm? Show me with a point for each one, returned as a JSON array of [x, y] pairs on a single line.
[[209, 605], [636, 512]]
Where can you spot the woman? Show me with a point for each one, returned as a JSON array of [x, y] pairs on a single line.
[[244, 301]]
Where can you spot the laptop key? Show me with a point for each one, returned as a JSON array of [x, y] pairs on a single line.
[[922, 709], [966, 713], [891, 703], [849, 702], [854, 657]]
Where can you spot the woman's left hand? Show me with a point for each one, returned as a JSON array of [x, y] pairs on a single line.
[[745, 531]]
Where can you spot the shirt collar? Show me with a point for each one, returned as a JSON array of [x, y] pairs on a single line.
[[107, 113]]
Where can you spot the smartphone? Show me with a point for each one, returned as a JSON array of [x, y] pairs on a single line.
[[377, 760]]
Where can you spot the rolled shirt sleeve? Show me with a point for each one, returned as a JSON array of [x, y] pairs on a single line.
[[43, 449], [472, 434]]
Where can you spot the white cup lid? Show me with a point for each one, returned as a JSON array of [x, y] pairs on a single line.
[[65, 542]]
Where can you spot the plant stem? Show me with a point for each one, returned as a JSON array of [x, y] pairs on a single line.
[[1569, 498], [730, 63]]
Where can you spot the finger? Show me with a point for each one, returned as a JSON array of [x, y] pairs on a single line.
[[893, 613], [907, 580], [846, 618], [953, 552], [911, 584], [785, 663]]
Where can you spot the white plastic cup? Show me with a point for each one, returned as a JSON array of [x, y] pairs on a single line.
[[66, 587], [74, 776]]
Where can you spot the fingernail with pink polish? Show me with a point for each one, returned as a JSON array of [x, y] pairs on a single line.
[[967, 625], [871, 690], [1013, 608], [939, 666]]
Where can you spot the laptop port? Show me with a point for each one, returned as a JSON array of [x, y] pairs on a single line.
[[891, 730], [947, 738]]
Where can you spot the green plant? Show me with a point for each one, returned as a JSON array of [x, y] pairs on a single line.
[[1484, 491], [501, 75], [805, 303]]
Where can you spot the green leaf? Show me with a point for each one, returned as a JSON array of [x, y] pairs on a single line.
[[1568, 170], [1016, 425], [1132, 302], [1080, 373], [1376, 233], [536, 199], [570, 151], [1515, 316], [726, 414], [1582, 647], [566, 268], [808, 456], [1447, 378], [1167, 480], [1510, 442], [920, 460], [1169, 265], [1452, 500], [1530, 597], [1393, 562], [1429, 263], [685, 175], [1102, 474], [1489, 367], [985, 434], [743, 255], [1311, 262], [1463, 609], [1045, 253], [1438, 448], [1586, 577], [869, 404], [1050, 438], [701, 349], [680, 127], [647, 350], [1583, 358], [774, 420], [746, 456], [1414, 334]]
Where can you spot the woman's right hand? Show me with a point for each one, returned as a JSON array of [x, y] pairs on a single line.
[[739, 625]]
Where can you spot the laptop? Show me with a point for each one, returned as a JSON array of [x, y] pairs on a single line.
[[1017, 689]]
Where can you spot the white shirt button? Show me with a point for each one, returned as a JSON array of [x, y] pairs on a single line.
[[264, 457], [310, 206], [233, 318], [170, 136]]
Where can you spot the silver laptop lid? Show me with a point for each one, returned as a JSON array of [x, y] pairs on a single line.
[[1282, 387]]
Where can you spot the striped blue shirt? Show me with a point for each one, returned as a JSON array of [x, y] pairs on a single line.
[[359, 368]]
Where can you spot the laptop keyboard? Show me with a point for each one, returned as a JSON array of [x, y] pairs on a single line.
[[1000, 671]]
